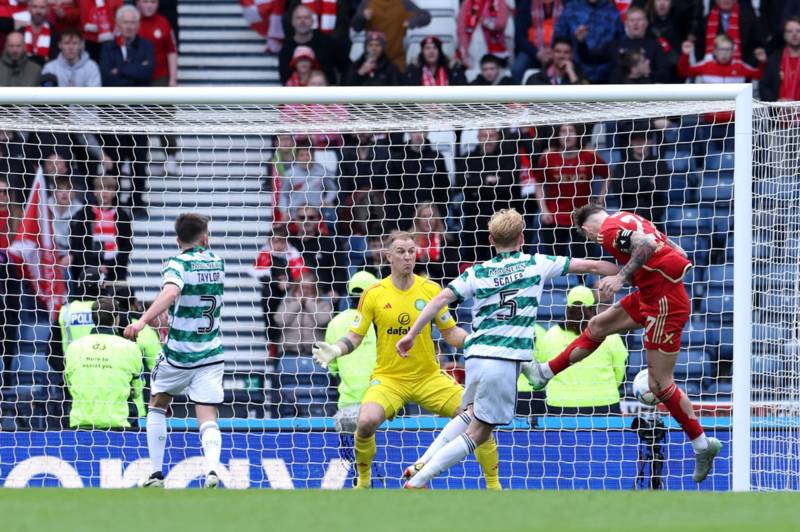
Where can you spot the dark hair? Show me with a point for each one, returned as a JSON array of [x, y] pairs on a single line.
[[62, 181], [103, 312], [302, 142], [70, 32], [443, 59], [791, 19], [190, 227], [562, 40], [279, 231], [581, 214], [491, 58], [629, 58]]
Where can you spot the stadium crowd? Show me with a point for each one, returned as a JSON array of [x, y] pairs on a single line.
[[336, 197]]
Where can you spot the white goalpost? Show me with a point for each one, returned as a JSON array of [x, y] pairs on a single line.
[[302, 187]]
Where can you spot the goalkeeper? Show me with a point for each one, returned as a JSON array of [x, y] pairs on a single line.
[[354, 372], [392, 305]]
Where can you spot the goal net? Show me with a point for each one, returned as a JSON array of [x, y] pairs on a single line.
[[301, 199]]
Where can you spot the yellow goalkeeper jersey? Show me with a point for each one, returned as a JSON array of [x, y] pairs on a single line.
[[393, 311]]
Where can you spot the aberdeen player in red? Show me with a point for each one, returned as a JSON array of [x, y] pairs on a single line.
[[656, 266]]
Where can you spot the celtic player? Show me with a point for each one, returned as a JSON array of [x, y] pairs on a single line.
[[392, 305], [192, 358], [506, 292]]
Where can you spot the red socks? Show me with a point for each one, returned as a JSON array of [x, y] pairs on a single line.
[[584, 341], [671, 397]]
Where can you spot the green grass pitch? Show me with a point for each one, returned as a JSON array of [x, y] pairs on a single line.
[[62, 510]]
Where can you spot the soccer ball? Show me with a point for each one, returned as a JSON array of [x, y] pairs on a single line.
[[641, 390]]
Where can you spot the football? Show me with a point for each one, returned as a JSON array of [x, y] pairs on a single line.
[[641, 389]]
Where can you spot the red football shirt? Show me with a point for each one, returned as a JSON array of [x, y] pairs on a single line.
[[157, 30], [567, 181], [664, 263]]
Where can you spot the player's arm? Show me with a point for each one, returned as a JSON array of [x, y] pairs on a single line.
[[164, 301], [434, 306], [454, 336], [677, 248], [641, 247], [594, 267], [324, 353]]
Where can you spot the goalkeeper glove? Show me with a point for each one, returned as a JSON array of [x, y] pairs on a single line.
[[324, 353]]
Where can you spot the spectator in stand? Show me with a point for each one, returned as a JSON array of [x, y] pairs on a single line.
[[319, 250], [642, 180], [40, 43], [638, 39], [373, 68], [433, 67], [278, 264], [595, 28], [436, 259], [534, 22], [97, 21], [69, 233], [363, 167], [156, 29], [64, 15], [73, 67], [722, 66], [417, 174], [10, 217], [565, 174], [486, 178], [737, 20], [302, 64], [331, 61], [634, 68], [128, 61], [560, 69], [16, 70], [392, 18], [306, 181], [375, 257], [671, 25], [111, 231], [492, 68], [303, 316], [491, 18], [330, 17], [781, 79]]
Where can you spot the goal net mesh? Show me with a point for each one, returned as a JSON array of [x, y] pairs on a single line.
[[300, 199]]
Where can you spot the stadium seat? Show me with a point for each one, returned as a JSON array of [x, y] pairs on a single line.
[[720, 390], [683, 189], [678, 161], [552, 305], [769, 334], [633, 340], [695, 280], [301, 371], [562, 282], [720, 161], [691, 364], [686, 221], [636, 362], [718, 304], [717, 187], [721, 276], [693, 338], [697, 247]]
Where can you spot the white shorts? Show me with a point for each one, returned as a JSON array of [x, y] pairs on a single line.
[[203, 385], [491, 389]]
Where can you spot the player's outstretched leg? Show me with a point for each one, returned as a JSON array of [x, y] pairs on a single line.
[[370, 418], [487, 457], [661, 367], [211, 440], [156, 441]]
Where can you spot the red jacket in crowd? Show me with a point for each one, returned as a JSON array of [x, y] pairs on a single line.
[[158, 31], [98, 18]]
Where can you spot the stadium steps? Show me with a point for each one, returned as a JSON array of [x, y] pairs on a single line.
[[218, 47], [229, 191]]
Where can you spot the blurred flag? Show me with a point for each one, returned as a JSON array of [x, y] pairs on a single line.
[[34, 250]]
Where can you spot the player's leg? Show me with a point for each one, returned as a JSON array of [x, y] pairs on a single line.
[[491, 390], [443, 395], [156, 437], [666, 320], [206, 392], [620, 317], [382, 401]]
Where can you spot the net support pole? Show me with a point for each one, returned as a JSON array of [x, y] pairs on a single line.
[[743, 290]]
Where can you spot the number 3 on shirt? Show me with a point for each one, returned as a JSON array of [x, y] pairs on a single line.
[[208, 313]]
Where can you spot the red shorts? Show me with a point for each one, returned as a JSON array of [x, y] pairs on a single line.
[[663, 320]]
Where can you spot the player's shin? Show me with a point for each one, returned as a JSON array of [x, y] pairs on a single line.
[[681, 410], [365, 452], [156, 437], [211, 440], [486, 455], [448, 456], [580, 348], [454, 428]]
